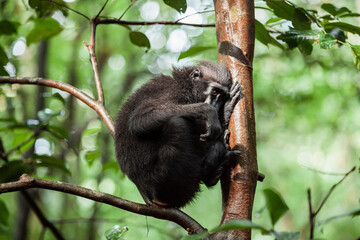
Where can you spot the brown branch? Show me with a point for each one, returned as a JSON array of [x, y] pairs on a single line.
[[311, 215], [98, 107], [103, 7], [123, 22], [44, 221], [171, 214], [235, 31], [91, 49]]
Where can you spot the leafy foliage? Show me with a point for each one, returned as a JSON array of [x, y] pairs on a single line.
[[178, 5], [44, 28]]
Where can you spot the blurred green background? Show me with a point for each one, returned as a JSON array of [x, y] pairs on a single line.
[[307, 121]]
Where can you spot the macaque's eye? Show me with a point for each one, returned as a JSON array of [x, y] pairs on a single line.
[[215, 92]]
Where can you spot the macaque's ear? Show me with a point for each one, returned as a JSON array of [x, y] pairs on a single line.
[[195, 74]]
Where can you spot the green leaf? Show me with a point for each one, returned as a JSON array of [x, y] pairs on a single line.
[[91, 156], [178, 5], [236, 225], [90, 131], [281, 9], [286, 235], [326, 41], [303, 39], [3, 72], [338, 34], [116, 233], [263, 35], [44, 28], [356, 55], [343, 26], [59, 131], [7, 27], [350, 15], [139, 39], [275, 204], [11, 171], [194, 51], [198, 236], [334, 10], [301, 21], [3, 57], [58, 97], [20, 137], [50, 162], [4, 214], [44, 7]]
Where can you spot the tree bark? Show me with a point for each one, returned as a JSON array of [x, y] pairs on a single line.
[[235, 30]]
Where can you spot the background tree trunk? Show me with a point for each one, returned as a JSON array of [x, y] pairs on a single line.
[[235, 30]]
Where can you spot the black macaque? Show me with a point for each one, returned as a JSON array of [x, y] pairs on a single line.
[[171, 134]]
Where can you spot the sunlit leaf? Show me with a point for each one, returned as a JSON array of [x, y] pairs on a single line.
[[263, 35], [91, 156], [356, 55], [50, 162], [139, 39], [7, 27], [275, 204], [334, 10], [194, 51], [116, 233], [178, 5], [4, 214], [44, 28], [90, 131], [326, 41]]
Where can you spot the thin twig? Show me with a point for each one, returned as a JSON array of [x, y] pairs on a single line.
[[98, 107], [97, 16], [311, 215], [127, 9], [44, 221], [332, 189], [171, 214], [207, 11], [73, 10], [122, 22]]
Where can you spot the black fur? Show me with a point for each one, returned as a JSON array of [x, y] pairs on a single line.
[[169, 135]]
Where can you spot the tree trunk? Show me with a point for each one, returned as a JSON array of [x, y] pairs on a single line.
[[235, 30]]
